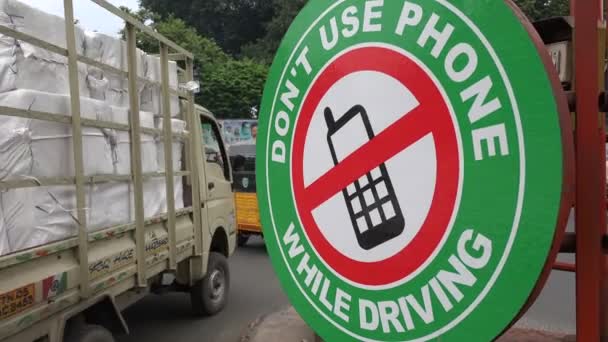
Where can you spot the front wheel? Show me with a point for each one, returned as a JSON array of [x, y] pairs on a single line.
[[210, 294]]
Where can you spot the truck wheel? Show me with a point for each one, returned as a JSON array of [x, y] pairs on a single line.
[[89, 333], [209, 295], [242, 240]]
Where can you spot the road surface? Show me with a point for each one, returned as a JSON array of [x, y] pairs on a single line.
[[555, 309], [255, 291]]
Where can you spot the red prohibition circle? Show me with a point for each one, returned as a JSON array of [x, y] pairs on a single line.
[[432, 116]]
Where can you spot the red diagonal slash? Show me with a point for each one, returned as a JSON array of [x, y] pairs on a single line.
[[432, 117], [396, 138]]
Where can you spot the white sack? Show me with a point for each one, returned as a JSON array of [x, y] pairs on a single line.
[[179, 193], [37, 216], [36, 148], [23, 65], [179, 127], [111, 205], [154, 73], [155, 196], [15, 152], [4, 246], [42, 25], [42, 75], [123, 143], [151, 99], [107, 86], [112, 51]]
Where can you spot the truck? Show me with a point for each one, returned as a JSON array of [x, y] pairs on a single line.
[[97, 208], [242, 158], [241, 135]]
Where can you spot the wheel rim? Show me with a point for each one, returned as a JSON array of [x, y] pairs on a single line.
[[218, 285]]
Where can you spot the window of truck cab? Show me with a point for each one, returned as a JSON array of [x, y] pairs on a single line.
[[213, 145]]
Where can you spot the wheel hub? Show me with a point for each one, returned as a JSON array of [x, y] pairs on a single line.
[[218, 284]]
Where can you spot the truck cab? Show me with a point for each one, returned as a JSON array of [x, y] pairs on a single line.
[[216, 182]]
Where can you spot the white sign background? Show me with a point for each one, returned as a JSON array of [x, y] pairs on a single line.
[[413, 171]]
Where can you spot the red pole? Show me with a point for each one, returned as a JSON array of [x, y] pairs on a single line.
[[572, 6], [603, 141], [590, 211]]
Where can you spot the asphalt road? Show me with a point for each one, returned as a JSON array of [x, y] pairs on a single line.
[[555, 309], [255, 291]]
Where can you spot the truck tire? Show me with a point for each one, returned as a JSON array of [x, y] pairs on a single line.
[[209, 295], [242, 239], [89, 333]]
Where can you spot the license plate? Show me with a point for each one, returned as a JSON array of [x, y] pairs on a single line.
[[14, 302], [247, 211]]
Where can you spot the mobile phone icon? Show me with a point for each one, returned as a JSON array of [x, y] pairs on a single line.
[[374, 210]]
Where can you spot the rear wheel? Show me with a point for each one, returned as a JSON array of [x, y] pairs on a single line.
[[242, 239], [89, 333], [209, 295]]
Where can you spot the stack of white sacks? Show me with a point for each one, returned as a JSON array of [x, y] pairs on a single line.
[[35, 79]]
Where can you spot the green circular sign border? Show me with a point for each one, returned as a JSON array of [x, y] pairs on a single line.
[[293, 36]]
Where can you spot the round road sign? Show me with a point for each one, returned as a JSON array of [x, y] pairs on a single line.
[[412, 168]]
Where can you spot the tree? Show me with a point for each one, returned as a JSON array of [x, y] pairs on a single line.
[[229, 88], [265, 48], [541, 9], [206, 52], [285, 11], [232, 89], [231, 23], [217, 30]]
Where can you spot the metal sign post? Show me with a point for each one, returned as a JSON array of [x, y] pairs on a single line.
[[591, 176]]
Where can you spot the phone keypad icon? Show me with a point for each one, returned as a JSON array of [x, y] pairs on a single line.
[[371, 200]]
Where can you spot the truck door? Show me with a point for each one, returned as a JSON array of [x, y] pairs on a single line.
[[218, 178]]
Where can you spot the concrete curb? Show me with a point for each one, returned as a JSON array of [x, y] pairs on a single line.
[[282, 326], [287, 326]]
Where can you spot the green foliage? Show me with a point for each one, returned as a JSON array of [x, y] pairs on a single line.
[[541, 9], [285, 11], [207, 53], [231, 23], [217, 31], [234, 88], [229, 88], [265, 48]]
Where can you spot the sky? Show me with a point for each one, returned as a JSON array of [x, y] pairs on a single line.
[[91, 16]]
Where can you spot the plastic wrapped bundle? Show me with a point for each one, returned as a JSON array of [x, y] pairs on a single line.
[[179, 193], [15, 152], [123, 143], [37, 216], [179, 127], [107, 86], [154, 201], [151, 99], [111, 204], [36, 148], [4, 246], [155, 196], [26, 66], [41, 215]]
